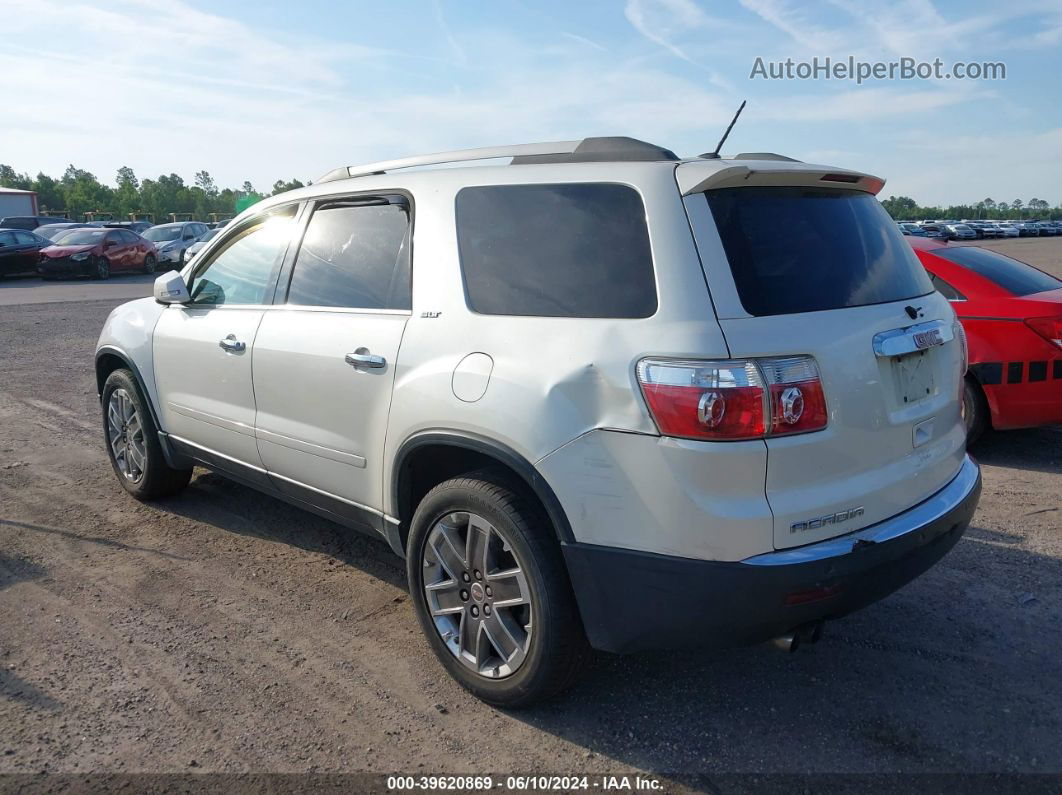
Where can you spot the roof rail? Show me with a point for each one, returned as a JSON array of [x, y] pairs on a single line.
[[614, 148]]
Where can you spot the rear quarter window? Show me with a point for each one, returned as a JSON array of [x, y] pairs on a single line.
[[1012, 275], [795, 249], [572, 250]]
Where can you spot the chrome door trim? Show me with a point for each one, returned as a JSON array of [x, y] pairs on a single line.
[[339, 456], [211, 419], [259, 470]]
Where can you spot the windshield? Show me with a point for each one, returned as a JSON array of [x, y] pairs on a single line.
[[1012, 275], [159, 233], [80, 237], [826, 249], [52, 232]]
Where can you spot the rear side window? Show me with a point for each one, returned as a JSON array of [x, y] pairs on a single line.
[[556, 251], [354, 256], [794, 249], [945, 289], [1010, 274]]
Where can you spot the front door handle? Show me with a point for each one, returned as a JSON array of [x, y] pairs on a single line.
[[362, 358], [230, 343]]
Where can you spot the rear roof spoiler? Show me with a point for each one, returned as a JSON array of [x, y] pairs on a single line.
[[697, 176]]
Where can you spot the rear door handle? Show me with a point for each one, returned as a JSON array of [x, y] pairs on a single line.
[[362, 358], [230, 343]]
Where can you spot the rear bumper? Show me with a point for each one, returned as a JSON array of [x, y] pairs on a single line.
[[633, 601]]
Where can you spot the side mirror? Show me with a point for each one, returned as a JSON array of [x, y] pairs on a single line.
[[171, 289]]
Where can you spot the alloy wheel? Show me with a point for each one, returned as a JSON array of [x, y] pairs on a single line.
[[125, 434], [477, 594]]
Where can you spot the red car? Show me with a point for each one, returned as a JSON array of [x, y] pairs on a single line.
[[1012, 314], [97, 252]]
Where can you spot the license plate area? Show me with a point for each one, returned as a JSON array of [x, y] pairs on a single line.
[[913, 376]]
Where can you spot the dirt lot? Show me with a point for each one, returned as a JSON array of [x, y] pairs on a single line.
[[224, 631]]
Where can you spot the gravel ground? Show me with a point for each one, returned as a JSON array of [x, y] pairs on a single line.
[[223, 631]]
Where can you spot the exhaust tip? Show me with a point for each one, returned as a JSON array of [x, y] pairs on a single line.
[[789, 642]]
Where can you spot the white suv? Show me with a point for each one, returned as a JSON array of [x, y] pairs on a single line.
[[599, 396]]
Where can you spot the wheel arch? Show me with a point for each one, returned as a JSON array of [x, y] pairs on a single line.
[[110, 358], [428, 458]]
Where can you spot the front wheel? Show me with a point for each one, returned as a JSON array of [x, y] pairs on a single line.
[[101, 268], [150, 263], [491, 591], [133, 443]]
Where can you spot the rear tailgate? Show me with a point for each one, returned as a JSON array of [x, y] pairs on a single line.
[[822, 271]]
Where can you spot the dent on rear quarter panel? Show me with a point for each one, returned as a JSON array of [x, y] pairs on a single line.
[[129, 329]]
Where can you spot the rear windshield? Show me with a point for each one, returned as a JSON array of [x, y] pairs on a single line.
[[1010, 274], [794, 249], [573, 250]]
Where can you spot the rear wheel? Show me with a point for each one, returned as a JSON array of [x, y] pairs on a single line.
[[491, 591], [974, 410], [133, 444]]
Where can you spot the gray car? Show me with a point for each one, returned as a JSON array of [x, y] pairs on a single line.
[[173, 240]]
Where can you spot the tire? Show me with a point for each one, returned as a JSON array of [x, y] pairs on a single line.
[[549, 653], [132, 442], [150, 263], [101, 269], [974, 410]]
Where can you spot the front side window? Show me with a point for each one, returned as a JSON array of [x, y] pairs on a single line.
[[794, 249], [244, 269], [354, 256], [571, 250]]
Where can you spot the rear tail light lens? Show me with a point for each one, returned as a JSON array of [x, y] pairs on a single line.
[[1050, 328], [734, 399], [797, 402], [704, 400]]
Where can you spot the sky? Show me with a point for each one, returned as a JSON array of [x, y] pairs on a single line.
[[260, 90]]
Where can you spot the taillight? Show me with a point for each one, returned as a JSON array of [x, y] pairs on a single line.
[[1050, 328], [797, 402], [704, 400], [733, 399]]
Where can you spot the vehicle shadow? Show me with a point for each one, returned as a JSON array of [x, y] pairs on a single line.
[[233, 508], [1033, 449]]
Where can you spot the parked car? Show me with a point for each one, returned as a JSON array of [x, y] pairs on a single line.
[[200, 244], [133, 226], [1025, 229], [54, 231], [932, 230], [173, 240], [1046, 229], [97, 252], [596, 437], [957, 232], [1012, 315], [19, 251], [910, 229], [27, 222], [1006, 229]]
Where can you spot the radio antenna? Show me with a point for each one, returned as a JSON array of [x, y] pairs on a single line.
[[715, 155]]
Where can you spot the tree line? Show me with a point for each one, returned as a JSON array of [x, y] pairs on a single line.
[[904, 208], [79, 192]]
